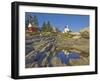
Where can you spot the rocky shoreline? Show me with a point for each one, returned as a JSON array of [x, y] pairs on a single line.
[[44, 45]]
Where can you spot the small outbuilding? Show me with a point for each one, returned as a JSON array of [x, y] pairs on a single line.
[[32, 28]]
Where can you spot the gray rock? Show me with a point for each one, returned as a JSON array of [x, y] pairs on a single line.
[[56, 62], [81, 61]]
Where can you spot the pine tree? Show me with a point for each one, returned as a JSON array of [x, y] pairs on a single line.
[[49, 27], [26, 21], [44, 26], [35, 21]]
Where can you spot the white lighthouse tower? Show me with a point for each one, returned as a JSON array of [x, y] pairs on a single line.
[[66, 29]]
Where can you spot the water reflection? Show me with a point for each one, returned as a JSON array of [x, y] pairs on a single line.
[[65, 52], [57, 58], [65, 56]]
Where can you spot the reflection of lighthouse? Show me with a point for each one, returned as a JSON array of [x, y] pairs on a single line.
[[66, 30], [66, 52]]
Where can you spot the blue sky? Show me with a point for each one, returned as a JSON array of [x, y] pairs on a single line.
[[75, 22]]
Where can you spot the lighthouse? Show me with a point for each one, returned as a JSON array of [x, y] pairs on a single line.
[[66, 29]]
